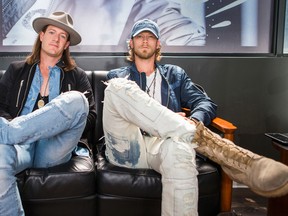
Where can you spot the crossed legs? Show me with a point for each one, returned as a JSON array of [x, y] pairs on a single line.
[[59, 125]]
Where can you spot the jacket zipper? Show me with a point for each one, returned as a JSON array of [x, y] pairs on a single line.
[[25, 91], [168, 94], [18, 95], [164, 78], [61, 81]]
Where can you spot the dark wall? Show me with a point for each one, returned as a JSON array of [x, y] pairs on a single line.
[[251, 92]]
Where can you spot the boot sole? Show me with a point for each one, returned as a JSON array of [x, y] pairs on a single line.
[[275, 193]]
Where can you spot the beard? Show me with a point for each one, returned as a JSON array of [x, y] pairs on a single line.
[[145, 54]]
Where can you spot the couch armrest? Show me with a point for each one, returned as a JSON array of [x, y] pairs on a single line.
[[225, 127]]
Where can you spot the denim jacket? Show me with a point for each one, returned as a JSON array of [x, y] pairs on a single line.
[[177, 90], [16, 83]]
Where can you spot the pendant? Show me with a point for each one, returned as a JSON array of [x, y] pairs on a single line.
[[40, 103]]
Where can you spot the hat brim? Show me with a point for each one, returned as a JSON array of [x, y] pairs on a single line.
[[39, 23], [145, 29]]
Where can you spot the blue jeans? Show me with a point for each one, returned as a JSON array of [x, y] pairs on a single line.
[[43, 138], [168, 149]]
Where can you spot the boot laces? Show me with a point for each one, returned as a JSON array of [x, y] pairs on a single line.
[[232, 154]]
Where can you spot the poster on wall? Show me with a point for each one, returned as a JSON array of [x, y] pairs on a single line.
[[194, 26], [285, 46]]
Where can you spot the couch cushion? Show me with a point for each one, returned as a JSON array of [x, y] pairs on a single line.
[[75, 178], [118, 181]]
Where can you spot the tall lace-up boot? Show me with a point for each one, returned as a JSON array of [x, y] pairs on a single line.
[[264, 176]]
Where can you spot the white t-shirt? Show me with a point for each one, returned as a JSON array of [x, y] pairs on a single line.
[[153, 85]]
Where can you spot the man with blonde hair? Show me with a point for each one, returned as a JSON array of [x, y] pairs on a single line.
[[145, 128]]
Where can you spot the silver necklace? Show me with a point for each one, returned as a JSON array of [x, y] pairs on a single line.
[[154, 85]]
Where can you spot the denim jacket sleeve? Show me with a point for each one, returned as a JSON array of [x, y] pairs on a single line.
[[201, 106], [183, 93]]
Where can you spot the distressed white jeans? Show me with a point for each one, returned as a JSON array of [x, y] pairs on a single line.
[[168, 149]]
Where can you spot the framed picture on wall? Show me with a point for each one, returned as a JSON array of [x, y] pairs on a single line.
[[194, 26]]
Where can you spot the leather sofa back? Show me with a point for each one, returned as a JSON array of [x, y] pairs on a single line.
[[98, 86]]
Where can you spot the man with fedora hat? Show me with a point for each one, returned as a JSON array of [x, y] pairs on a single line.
[[46, 107], [145, 128]]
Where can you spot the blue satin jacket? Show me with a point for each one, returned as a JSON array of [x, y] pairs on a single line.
[[177, 90]]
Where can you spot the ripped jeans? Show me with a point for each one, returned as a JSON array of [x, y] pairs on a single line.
[[168, 148], [60, 124]]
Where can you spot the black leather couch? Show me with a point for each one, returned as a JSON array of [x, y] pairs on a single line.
[[81, 188]]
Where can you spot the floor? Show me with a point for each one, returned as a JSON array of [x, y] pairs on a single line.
[[246, 203]]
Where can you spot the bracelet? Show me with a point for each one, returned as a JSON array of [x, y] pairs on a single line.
[[194, 120]]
